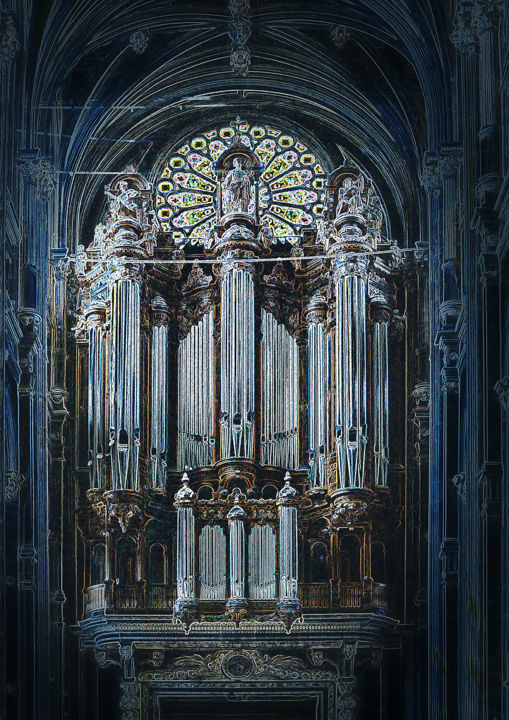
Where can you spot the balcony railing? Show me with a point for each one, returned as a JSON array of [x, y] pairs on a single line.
[[95, 598], [350, 596], [315, 595], [160, 597]]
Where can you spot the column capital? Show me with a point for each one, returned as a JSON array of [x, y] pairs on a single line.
[[38, 171], [463, 35], [430, 174], [485, 15], [350, 263], [449, 158]]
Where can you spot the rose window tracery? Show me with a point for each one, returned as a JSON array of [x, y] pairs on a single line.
[[291, 189]]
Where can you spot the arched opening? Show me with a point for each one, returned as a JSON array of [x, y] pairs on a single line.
[[269, 492], [319, 569], [126, 561], [205, 492], [157, 564], [378, 562], [350, 559], [98, 564]]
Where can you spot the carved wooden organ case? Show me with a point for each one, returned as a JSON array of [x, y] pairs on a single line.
[[234, 445]]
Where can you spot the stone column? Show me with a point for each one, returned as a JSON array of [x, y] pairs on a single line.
[[289, 604], [185, 608]]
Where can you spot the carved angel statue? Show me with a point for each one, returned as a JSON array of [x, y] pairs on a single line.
[[123, 203], [238, 189], [350, 196]]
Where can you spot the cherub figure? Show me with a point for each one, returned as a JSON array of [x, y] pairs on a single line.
[[122, 203]]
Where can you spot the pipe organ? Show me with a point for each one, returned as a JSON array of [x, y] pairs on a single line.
[[283, 366]]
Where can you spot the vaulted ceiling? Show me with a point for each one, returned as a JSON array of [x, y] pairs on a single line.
[[99, 101]]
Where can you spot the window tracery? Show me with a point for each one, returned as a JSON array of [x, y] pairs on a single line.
[[291, 187]]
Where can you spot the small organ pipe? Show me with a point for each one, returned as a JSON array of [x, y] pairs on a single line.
[[95, 319], [280, 394], [159, 393]]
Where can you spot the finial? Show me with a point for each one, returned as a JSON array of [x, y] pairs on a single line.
[[185, 493], [287, 492]]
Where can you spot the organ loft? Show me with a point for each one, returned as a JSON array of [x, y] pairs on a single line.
[[240, 344]]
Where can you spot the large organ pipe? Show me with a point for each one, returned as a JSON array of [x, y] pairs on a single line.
[[350, 274], [316, 404], [159, 393], [125, 380], [288, 543], [380, 395], [95, 315], [185, 543], [237, 363]]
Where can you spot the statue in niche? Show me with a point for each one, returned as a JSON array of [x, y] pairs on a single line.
[[123, 203], [350, 196], [237, 187]]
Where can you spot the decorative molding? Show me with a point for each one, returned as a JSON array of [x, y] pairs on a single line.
[[240, 31], [340, 36], [13, 484], [502, 390], [9, 44], [139, 41]]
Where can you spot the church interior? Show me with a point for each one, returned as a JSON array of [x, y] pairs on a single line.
[[255, 360]]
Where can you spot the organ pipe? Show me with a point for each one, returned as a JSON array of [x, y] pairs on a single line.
[[185, 543], [288, 543], [237, 364], [236, 518], [279, 394], [262, 563], [212, 554], [125, 380], [196, 391], [351, 404], [95, 320], [380, 398], [159, 394], [317, 365]]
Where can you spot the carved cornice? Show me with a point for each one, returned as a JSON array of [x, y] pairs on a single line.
[[38, 171]]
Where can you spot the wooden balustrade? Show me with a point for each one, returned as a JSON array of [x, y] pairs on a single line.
[[160, 597], [315, 595], [350, 595]]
